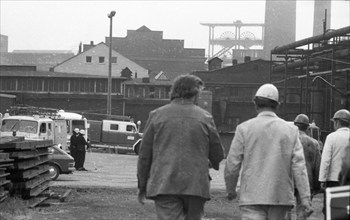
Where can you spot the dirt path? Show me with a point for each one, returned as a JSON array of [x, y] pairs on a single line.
[[116, 170]]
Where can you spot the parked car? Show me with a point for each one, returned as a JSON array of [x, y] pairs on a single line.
[[60, 162]]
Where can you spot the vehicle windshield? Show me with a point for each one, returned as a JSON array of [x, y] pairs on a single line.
[[9, 125]]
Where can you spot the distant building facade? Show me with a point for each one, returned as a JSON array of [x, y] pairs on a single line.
[[95, 61], [150, 50]]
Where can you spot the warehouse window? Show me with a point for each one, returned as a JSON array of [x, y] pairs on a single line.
[[114, 59], [89, 59], [101, 59]]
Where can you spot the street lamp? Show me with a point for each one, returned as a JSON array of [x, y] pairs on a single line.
[[109, 99]]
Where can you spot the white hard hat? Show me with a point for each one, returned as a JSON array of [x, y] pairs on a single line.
[[342, 114], [82, 131], [76, 130], [268, 91]]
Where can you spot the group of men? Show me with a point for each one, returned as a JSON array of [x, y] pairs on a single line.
[[276, 161], [78, 145]]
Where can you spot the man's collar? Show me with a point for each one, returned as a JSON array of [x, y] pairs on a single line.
[[343, 128], [267, 113]]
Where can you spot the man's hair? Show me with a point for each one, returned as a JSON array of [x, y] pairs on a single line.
[[301, 126], [261, 102], [186, 87]]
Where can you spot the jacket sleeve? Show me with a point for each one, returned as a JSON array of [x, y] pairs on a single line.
[[325, 160], [316, 167], [299, 170], [216, 151], [145, 155], [234, 161]]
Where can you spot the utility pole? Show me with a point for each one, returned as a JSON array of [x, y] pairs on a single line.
[[109, 98]]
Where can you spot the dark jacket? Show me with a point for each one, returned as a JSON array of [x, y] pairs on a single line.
[[177, 143], [312, 159], [81, 142], [73, 140]]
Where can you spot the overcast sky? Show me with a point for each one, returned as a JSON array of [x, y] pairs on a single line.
[[61, 25]]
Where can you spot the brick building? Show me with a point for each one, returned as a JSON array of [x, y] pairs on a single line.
[[150, 50]]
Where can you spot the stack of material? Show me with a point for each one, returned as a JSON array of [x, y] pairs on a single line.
[[30, 171], [5, 163]]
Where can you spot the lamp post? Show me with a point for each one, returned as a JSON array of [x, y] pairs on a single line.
[[109, 98]]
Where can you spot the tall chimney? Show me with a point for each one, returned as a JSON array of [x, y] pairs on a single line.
[[322, 16], [280, 24]]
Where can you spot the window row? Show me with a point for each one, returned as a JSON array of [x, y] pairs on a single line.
[[58, 85], [101, 59], [150, 92]]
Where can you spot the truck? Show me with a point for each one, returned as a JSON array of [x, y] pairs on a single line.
[[121, 136], [73, 120], [41, 127]]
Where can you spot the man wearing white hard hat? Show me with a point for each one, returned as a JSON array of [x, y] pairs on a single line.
[[334, 150], [81, 143], [73, 146], [271, 156]]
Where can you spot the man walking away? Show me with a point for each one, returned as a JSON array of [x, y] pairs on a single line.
[[271, 156], [312, 158], [334, 150], [179, 142]]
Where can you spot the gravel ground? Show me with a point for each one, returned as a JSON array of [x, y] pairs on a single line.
[[108, 190]]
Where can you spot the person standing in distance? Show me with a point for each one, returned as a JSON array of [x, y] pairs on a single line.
[[271, 156], [81, 150], [334, 150], [179, 142], [312, 158], [73, 148]]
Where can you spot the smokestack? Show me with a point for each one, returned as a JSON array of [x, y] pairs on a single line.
[[280, 24], [322, 16]]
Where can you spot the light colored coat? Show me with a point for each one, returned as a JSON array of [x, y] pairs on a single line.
[[332, 154], [270, 153], [178, 142]]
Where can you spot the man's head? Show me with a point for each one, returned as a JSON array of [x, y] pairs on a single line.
[[341, 119], [186, 87], [76, 130], [82, 132], [266, 97], [302, 122]]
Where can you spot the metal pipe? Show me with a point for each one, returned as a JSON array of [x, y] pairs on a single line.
[[310, 40]]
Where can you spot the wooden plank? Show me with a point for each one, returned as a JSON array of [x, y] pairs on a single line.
[[25, 154], [4, 156], [29, 173], [4, 174], [10, 165], [10, 139], [4, 182], [2, 161], [3, 195], [39, 189], [27, 144], [65, 195], [37, 201], [32, 162], [32, 183]]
